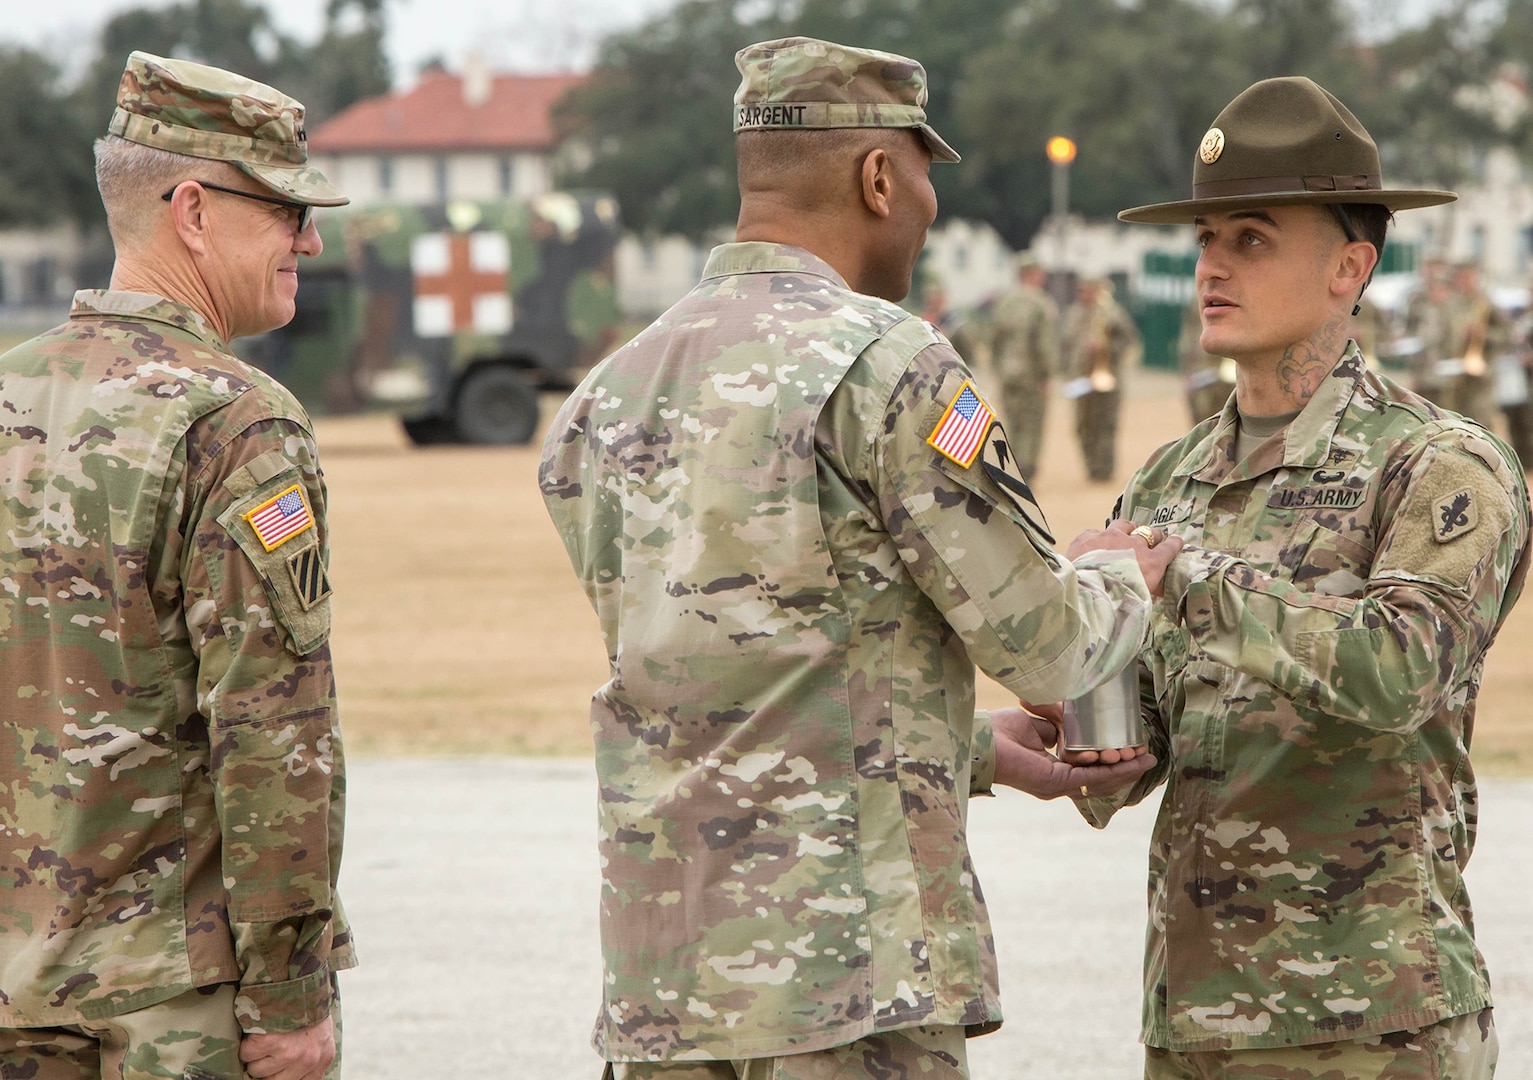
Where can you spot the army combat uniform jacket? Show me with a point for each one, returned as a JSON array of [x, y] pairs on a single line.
[[171, 787], [1312, 683], [794, 587]]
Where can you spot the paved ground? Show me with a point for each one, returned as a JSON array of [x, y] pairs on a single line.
[[472, 885]]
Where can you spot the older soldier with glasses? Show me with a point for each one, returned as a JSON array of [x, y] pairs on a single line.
[[1311, 680], [171, 778]]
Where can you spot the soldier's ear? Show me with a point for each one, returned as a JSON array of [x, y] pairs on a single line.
[[189, 205], [877, 176]]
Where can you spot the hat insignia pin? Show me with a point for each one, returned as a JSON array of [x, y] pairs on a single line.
[[1212, 146]]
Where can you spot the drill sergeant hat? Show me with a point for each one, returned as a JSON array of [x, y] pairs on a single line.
[[798, 83], [1284, 142], [207, 112]]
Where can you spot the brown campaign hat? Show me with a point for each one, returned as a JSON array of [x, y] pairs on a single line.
[[1284, 142]]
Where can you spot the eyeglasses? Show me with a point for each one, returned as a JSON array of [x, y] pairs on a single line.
[[305, 211]]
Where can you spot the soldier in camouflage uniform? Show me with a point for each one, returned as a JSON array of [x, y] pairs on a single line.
[[1311, 679], [1101, 342], [172, 795], [1478, 333], [801, 528], [1208, 380], [1025, 351]]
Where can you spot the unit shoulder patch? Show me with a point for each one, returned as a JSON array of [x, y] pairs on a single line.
[[1457, 515], [307, 568]]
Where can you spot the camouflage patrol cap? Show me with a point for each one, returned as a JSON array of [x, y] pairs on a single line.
[[207, 112], [801, 82]]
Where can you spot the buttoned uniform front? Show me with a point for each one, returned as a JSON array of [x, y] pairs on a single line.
[[794, 587], [173, 789], [1310, 691]]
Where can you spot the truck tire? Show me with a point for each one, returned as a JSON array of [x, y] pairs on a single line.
[[429, 430], [496, 406]]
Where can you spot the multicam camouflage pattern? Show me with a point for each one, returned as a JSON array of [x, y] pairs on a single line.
[[927, 1053], [1024, 347], [207, 112], [1313, 697], [794, 588], [191, 1037], [1101, 342], [171, 777], [1463, 1048], [803, 82]]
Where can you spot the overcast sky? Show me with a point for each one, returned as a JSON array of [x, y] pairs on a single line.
[[512, 35], [520, 35]]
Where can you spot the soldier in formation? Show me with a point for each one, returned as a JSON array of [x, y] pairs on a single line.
[[1101, 343], [1208, 380], [1311, 680], [1463, 334], [1024, 348], [173, 785], [795, 516]]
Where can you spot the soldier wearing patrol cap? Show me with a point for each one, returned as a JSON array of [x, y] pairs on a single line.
[[173, 779], [1352, 550], [800, 527]]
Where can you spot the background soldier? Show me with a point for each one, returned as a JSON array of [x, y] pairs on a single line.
[[1209, 379], [1478, 333], [1515, 384], [1312, 678], [1025, 351], [172, 792], [792, 511], [1427, 321], [1101, 343]]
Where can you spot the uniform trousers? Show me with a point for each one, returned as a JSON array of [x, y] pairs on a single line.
[[918, 1053], [1096, 426], [191, 1037], [1463, 1048]]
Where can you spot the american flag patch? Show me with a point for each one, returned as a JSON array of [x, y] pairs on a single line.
[[962, 430], [280, 518]]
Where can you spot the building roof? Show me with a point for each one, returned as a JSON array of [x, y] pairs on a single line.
[[447, 111]]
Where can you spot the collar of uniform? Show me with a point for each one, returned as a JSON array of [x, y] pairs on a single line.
[[757, 257], [144, 307], [1306, 441]]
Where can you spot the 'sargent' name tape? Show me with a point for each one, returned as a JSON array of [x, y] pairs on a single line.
[[769, 115]]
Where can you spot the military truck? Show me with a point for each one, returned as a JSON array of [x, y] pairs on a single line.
[[455, 317]]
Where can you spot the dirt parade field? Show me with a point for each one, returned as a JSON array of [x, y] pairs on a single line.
[[459, 628]]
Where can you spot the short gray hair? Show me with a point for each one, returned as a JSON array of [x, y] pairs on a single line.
[[131, 178]]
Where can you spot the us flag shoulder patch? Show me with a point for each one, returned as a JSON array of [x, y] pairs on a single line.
[[281, 517], [308, 571], [961, 432]]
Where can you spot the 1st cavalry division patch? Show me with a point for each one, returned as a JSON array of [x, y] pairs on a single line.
[[281, 517], [961, 432]]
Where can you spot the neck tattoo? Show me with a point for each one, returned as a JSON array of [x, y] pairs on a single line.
[[1306, 363]]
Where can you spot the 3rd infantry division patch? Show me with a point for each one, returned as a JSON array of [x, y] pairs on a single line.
[[309, 578]]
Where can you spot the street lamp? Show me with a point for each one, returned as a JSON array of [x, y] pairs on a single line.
[[1061, 151]]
